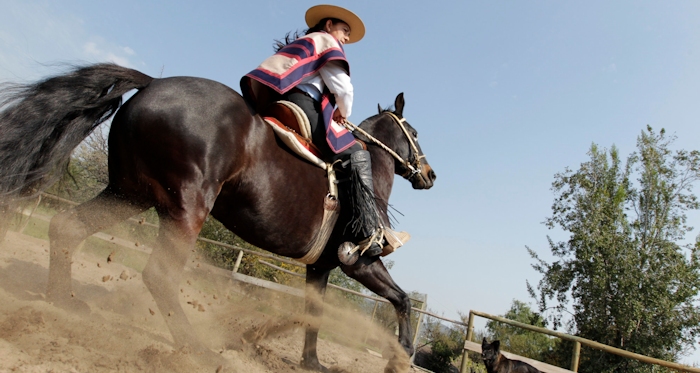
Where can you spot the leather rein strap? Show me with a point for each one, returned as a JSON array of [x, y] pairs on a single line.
[[413, 167]]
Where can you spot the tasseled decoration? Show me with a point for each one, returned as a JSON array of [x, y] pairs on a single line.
[[365, 217]]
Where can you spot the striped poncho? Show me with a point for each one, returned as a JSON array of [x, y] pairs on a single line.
[[289, 66]]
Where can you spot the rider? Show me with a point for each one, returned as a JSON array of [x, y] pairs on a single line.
[[312, 71]]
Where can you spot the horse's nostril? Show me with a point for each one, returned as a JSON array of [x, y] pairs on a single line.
[[431, 175]]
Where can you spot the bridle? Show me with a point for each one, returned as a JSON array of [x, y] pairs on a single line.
[[413, 163]]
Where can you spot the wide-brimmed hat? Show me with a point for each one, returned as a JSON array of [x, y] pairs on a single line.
[[316, 13]]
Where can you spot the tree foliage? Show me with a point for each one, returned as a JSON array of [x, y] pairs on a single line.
[[445, 345], [86, 175], [631, 282]]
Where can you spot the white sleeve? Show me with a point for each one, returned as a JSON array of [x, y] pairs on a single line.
[[338, 82]]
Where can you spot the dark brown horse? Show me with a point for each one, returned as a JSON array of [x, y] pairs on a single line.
[[190, 147]]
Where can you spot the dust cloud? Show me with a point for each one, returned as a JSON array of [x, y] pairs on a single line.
[[252, 331]]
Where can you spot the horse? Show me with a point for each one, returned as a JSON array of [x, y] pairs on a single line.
[[190, 147]]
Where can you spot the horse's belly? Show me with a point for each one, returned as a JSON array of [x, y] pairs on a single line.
[[282, 223]]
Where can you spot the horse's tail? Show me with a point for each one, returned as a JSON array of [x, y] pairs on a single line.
[[41, 123]]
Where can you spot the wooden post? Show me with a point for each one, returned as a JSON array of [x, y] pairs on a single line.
[[374, 311], [238, 261], [24, 226], [576, 356], [468, 338], [424, 304]]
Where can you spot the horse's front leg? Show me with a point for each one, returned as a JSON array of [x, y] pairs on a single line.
[[371, 273], [316, 284]]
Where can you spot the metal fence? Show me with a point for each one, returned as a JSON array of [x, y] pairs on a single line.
[[578, 341]]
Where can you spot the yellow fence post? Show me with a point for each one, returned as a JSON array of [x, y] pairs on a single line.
[[419, 325], [374, 311], [576, 356], [465, 353], [238, 261]]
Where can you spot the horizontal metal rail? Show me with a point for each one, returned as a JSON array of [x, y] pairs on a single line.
[[588, 343], [361, 294]]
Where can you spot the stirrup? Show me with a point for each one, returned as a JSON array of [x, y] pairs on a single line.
[[394, 240], [377, 238]]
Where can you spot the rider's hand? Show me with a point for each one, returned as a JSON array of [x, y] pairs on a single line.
[[339, 118]]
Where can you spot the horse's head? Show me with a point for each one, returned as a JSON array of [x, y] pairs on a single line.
[[391, 131]]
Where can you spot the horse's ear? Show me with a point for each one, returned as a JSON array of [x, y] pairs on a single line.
[[496, 345], [398, 104], [379, 108], [484, 343]]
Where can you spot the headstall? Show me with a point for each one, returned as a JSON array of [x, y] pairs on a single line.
[[413, 164]]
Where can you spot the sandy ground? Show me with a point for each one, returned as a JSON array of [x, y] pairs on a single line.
[[124, 332]]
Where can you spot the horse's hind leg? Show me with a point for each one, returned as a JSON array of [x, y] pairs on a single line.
[[69, 228], [371, 273], [179, 227]]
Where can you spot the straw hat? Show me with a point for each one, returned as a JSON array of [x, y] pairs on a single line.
[[316, 13]]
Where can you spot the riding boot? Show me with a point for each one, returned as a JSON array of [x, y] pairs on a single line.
[[365, 214]]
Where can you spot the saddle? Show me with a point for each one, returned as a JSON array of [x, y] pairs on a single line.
[[287, 116], [292, 126]]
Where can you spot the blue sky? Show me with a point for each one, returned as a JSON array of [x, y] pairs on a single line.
[[504, 94]]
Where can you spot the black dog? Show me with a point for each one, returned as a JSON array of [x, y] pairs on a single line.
[[497, 363]]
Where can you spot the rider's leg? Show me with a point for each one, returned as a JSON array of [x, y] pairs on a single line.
[[312, 109], [365, 214], [361, 166]]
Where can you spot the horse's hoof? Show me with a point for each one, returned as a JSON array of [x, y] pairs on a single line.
[[399, 361], [206, 357], [314, 366]]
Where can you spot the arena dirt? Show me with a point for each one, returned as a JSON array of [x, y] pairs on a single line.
[[124, 332]]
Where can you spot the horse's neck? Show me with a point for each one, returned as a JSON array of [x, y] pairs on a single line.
[[382, 165], [383, 174]]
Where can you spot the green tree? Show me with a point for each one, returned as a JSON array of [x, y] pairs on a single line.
[[519, 341], [445, 345], [631, 282], [86, 174]]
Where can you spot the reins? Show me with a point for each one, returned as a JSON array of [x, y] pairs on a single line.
[[413, 168]]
